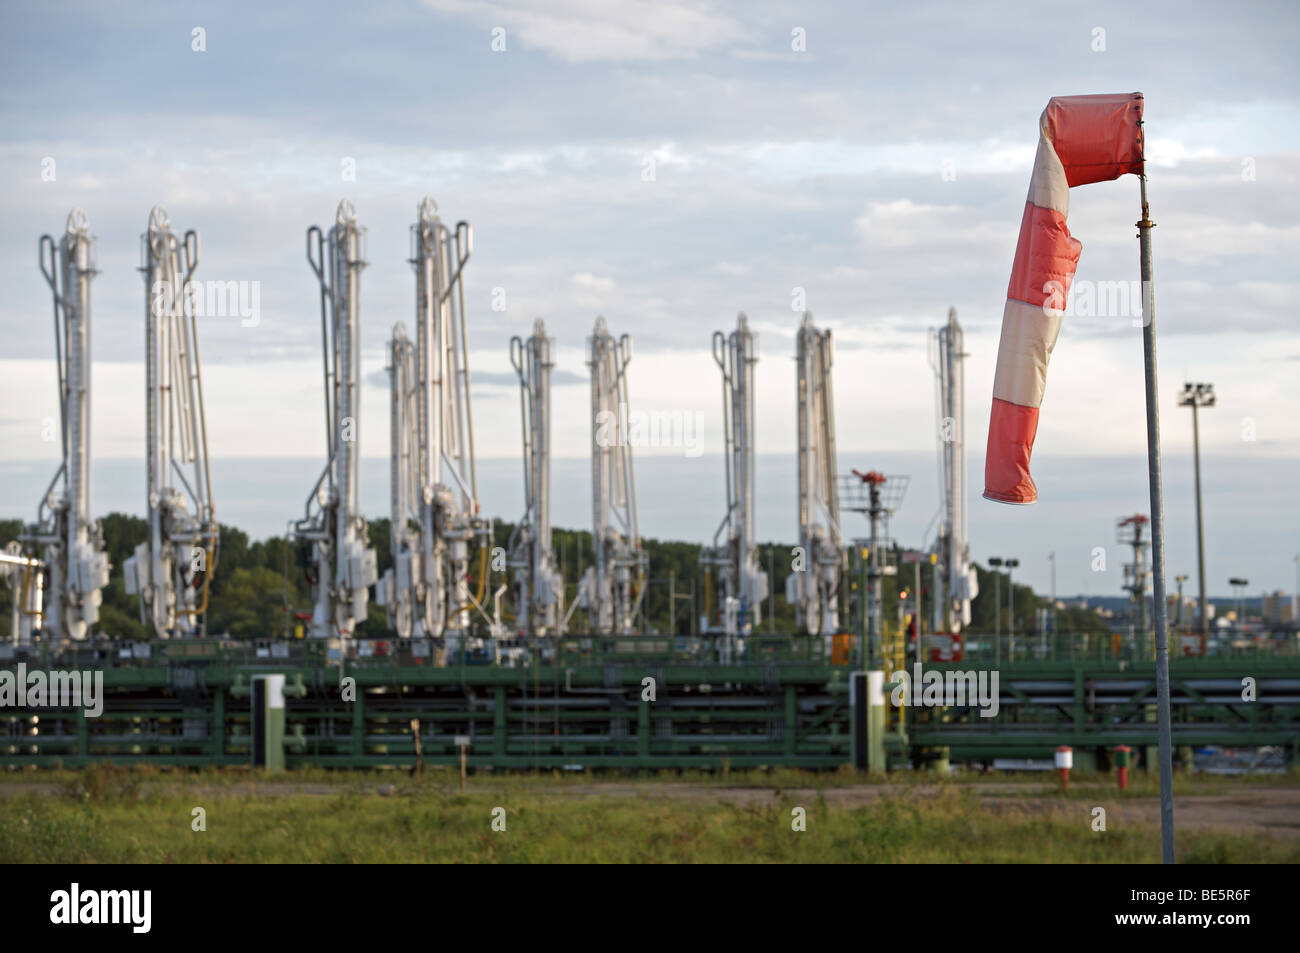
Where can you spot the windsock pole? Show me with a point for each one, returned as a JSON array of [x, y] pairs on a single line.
[[1157, 528]]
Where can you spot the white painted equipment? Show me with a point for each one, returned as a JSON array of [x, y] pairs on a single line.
[[333, 529], [171, 571], [75, 564], [613, 588], [956, 583], [539, 588], [743, 584], [813, 588], [25, 577], [435, 509]]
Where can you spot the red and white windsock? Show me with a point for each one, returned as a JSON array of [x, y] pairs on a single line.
[[1081, 139]]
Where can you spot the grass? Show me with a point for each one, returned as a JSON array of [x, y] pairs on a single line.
[[109, 814]]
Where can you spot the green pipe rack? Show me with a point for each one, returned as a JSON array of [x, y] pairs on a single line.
[[583, 702]]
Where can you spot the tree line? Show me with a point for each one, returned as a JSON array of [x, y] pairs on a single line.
[[260, 589]]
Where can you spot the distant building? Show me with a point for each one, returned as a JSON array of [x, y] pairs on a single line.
[[1277, 607], [1191, 609]]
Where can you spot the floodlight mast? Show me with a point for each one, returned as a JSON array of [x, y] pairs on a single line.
[[956, 581], [435, 509], [172, 570], [539, 588], [744, 584], [813, 588], [332, 528], [613, 587], [74, 562]]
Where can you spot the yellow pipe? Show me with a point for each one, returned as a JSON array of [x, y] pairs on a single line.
[[482, 575], [456, 611], [207, 580], [27, 579]]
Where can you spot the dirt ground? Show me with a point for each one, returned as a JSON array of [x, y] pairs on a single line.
[[1273, 811]]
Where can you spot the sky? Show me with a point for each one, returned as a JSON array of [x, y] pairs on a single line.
[[669, 165]]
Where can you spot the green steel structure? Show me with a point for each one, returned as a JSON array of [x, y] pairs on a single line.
[[608, 702]]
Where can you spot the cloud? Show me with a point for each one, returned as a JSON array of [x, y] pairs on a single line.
[[900, 224], [585, 31], [732, 268], [586, 281], [559, 378]]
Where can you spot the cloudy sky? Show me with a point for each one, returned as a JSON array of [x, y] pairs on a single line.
[[668, 165]]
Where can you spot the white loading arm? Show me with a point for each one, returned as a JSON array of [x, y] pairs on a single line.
[[955, 581], [614, 586], [813, 588], [539, 589], [172, 569], [76, 566], [435, 508], [743, 583], [333, 529]]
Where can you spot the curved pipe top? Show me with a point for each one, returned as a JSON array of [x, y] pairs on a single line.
[[78, 223]]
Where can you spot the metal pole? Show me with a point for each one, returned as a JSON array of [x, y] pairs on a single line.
[[875, 606], [997, 618], [771, 590], [1011, 608], [917, 617], [1141, 596], [1157, 531], [1200, 526], [1178, 616], [672, 601], [1051, 614]]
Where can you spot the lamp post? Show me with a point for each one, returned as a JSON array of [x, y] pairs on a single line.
[[1197, 396], [996, 563], [1239, 588], [1178, 618], [1051, 615]]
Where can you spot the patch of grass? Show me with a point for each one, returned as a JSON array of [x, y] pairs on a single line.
[[104, 781], [425, 822]]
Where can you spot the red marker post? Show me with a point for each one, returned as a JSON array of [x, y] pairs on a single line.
[[1064, 762], [1121, 765]]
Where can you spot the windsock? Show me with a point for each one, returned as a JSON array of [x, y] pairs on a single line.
[[1081, 139]]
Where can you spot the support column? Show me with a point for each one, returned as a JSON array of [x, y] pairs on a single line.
[[643, 732], [268, 722], [789, 736], [217, 736], [358, 738], [83, 735], [876, 722], [499, 726]]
